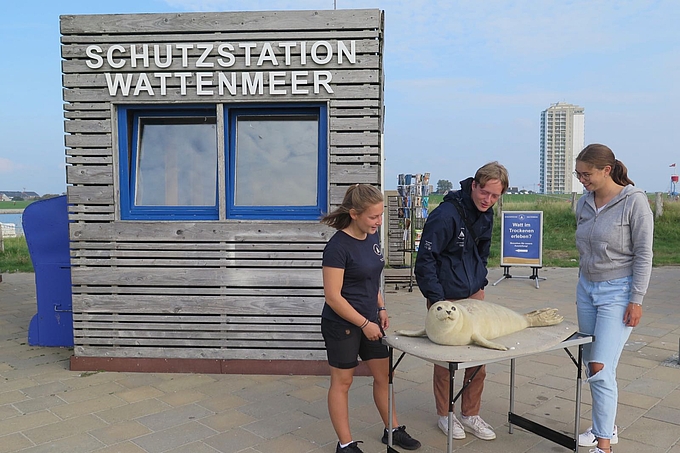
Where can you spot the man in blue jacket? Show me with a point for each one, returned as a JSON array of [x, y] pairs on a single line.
[[451, 265]]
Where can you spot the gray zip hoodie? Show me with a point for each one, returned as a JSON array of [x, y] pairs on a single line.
[[617, 241]]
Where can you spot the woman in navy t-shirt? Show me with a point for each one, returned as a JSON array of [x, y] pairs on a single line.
[[354, 315]]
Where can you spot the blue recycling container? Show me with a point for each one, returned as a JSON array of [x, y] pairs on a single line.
[[45, 225]]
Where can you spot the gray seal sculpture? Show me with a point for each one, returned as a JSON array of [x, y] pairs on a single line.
[[471, 321]]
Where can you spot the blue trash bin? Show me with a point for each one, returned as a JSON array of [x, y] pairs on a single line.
[[45, 225]]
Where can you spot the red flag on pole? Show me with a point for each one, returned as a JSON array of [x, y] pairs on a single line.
[[672, 165]]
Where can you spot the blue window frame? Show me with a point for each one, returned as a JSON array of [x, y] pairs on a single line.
[[277, 165], [275, 157], [168, 163]]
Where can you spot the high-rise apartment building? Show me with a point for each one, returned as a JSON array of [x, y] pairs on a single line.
[[562, 138]]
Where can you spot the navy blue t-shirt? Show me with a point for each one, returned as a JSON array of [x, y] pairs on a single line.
[[363, 264]]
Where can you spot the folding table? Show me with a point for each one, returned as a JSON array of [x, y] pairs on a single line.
[[534, 340]]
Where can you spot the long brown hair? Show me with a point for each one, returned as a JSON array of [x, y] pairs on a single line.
[[599, 156], [358, 197]]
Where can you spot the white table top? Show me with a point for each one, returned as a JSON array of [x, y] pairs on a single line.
[[525, 342]]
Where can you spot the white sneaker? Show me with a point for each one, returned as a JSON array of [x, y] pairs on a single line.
[[458, 431], [588, 439], [475, 425]]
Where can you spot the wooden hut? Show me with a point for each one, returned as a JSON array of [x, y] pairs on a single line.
[[202, 149]]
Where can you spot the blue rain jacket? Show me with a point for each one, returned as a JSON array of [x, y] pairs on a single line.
[[451, 261]]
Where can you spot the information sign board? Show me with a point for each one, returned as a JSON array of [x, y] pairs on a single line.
[[522, 238]]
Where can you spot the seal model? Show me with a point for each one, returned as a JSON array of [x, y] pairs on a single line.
[[471, 321]]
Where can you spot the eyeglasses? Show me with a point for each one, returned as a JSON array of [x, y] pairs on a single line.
[[582, 175]]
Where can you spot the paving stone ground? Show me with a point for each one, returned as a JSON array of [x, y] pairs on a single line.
[[45, 407]]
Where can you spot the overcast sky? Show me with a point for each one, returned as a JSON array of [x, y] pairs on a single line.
[[465, 82]]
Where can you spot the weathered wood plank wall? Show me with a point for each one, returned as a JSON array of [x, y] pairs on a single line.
[[212, 289]]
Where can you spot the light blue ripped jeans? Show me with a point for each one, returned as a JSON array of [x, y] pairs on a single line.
[[600, 307]]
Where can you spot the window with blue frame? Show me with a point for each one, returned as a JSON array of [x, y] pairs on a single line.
[[168, 163], [275, 157], [277, 162]]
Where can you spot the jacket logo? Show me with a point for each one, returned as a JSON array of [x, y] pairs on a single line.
[[460, 240]]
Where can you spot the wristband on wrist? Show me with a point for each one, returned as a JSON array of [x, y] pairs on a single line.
[[365, 323], [382, 308]]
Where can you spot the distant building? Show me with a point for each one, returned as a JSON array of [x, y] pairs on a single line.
[[562, 138], [9, 195]]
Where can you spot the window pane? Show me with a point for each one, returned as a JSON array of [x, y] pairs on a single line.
[[276, 160], [177, 162]]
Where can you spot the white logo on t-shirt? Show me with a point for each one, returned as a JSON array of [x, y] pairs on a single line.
[[376, 250]]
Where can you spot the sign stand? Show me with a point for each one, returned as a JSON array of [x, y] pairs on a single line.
[[522, 243], [534, 275]]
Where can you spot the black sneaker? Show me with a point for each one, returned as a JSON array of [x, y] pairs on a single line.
[[351, 448], [401, 439]]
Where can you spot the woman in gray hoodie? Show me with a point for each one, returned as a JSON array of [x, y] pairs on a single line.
[[614, 235]]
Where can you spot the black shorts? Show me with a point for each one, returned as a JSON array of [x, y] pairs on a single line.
[[345, 342]]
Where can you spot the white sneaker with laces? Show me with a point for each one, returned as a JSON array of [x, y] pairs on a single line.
[[457, 433], [597, 450], [588, 439], [475, 425]]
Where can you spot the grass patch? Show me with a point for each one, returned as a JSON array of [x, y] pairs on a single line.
[[559, 231], [15, 204], [15, 258], [667, 235]]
